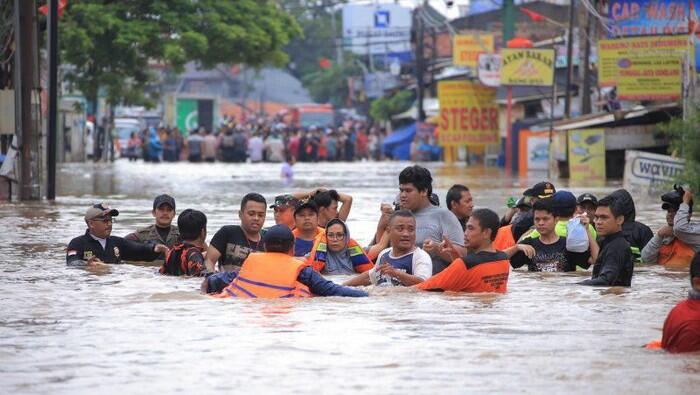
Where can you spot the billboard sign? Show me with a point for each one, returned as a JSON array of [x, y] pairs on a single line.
[[370, 29], [650, 174], [467, 47], [525, 66], [468, 114]]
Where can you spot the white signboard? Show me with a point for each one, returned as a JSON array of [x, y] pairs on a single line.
[[376, 28], [650, 174], [490, 69]]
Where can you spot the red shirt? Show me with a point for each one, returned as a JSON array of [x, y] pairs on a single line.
[[682, 328]]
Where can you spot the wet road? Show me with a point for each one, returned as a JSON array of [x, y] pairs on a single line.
[[130, 330]]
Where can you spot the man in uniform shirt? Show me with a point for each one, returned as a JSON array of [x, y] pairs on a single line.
[[97, 247], [162, 231]]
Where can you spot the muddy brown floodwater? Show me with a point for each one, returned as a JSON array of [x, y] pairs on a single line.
[[130, 330]]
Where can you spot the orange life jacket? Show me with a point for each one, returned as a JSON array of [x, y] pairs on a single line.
[[677, 254], [296, 232], [504, 238], [268, 275], [480, 272], [317, 258]]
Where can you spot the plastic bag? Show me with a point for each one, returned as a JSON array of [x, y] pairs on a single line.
[[576, 236]]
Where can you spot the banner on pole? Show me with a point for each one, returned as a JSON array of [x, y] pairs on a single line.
[[525, 66]]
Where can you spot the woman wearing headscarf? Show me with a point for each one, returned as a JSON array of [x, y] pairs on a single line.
[[336, 253]]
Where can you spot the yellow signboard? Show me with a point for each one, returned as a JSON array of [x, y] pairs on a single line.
[[650, 78], [468, 114], [614, 54], [524, 66], [467, 47], [587, 157]]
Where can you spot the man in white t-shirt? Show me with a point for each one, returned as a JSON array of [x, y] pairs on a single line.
[[255, 148], [402, 264]]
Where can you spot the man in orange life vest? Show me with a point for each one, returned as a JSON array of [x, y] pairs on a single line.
[[505, 237], [483, 269], [275, 273], [665, 248]]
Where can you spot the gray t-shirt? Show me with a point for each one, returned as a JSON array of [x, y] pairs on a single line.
[[433, 223]]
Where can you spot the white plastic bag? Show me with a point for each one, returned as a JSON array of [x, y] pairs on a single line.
[[576, 236]]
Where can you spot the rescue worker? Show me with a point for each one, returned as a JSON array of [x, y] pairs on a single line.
[[613, 266], [483, 269], [505, 237], [563, 205], [403, 263], [284, 210], [636, 233], [97, 247], [523, 223], [682, 326], [186, 258], [665, 248], [460, 202], [686, 231], [306, 229], [275, 273], [162, 231]]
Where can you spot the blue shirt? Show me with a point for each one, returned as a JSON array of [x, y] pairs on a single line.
[[302, 247]]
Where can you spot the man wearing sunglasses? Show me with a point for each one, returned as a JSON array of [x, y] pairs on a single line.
[[96, 247]]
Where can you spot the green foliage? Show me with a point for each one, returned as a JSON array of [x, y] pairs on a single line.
[[384, 108], [330, 85], [685, 143], [110, 45]]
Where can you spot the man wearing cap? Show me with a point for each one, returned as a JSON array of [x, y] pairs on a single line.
[[665, 248], [305, 227], [587, 203], [162, 231], [284, 210], [275, 273], [541, 190], [97, 246], [563, 204], [683, 229]]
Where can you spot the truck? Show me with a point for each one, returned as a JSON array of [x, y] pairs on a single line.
[[312, 114]]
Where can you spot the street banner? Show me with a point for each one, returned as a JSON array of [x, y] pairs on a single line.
[[650, 78], [187, 114], [648, 17], [587, 157], [650, 174], [467, 47], [615, 56], [490, 69], [468, 114], [525, 66]]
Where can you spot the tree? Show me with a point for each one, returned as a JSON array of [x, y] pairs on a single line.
[[330, 85], [384, 108], [111, 44], [685, 142]]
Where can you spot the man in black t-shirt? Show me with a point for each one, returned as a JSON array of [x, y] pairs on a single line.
[[231, 245], [547, 253]]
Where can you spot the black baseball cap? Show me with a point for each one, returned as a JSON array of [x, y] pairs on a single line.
[[672, 200], [541, 190], [278, 237], [163, 199], [587, 197], [306, 204]]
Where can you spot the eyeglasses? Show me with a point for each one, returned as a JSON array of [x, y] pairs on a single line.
[[335, 236]]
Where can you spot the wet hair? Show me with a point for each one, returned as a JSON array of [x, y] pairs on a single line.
[[613, 204], [695, 267], [324, 199], [543, 205], [190, 224], [253, 196], [454, 194], [487, 220], [418, 176], [402, 214]]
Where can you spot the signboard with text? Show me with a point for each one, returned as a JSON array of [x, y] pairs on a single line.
[[467, 47], [650, 174], [587, 157], [468, 114], [525, 66], [370, 29]]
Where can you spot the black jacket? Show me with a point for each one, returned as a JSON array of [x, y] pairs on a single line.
[[82, 248], [614, 265], [636, 233]]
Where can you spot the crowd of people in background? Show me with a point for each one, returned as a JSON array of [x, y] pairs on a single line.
[[258, 140], [417, 243]]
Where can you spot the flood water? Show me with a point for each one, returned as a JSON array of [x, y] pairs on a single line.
[[130, 330]]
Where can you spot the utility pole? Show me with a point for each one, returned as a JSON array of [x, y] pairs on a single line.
[[508, 34], [586, 94], [420, 63], [52, 45], [26, 110], [336, 41], [569, 59], [508, 21]]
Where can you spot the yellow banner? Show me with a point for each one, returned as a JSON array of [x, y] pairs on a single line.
[[614, 55], [467, 47], [468, 114], [587, 157], [524, 66], [650, 78]]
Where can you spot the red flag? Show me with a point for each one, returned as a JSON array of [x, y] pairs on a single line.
[[535, 17], [44, 9], [325, 63]]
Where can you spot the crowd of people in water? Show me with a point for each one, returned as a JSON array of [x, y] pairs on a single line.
[[417, 243], [257, 140]]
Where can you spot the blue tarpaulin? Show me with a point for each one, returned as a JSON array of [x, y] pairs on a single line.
[[398, 144]]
